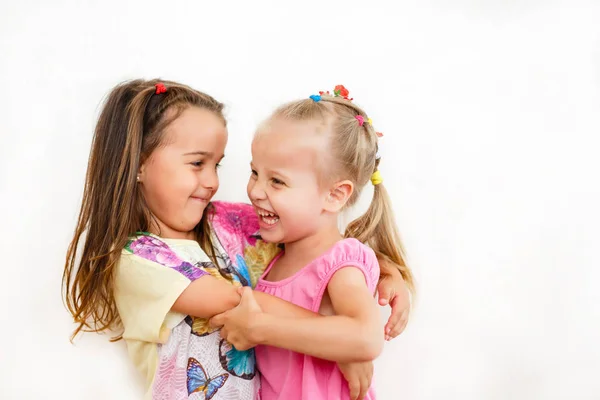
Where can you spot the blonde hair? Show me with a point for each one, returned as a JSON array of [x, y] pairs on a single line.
[[353, 156], [130, 127]]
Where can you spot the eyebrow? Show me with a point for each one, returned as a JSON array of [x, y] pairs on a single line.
[[274, 172], [199, 153]]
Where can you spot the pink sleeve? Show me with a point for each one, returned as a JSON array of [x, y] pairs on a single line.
[[349, 252]]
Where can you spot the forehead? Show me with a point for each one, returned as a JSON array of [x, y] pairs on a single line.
[[195, 128], [291, 144]]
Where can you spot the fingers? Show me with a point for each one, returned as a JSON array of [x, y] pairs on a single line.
[[395, 318], [241, 345], [218, 320], [248, 297], [385, 291], [354, 387], [369, 378], [398, 319], [400, 326], [364, 387], [224, 334]]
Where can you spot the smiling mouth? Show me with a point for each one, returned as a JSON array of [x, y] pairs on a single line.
[[267, 217]]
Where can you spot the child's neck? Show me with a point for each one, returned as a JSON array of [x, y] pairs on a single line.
[[305, 250], [160, 229]]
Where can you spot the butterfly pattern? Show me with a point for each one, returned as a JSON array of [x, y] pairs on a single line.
[[199, 381], [238, 363], [241, 257]]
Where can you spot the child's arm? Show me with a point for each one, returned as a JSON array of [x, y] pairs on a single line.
[[352, 335], [392, 291], [208, 296]]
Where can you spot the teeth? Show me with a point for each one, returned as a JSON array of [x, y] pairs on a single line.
[[268, 217], [265, 214], [270, 221]]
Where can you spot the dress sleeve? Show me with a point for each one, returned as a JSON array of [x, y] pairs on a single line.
[[349, 253], [149, 278]]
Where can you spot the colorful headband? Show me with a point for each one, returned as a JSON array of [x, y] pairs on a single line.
[[160, 88]]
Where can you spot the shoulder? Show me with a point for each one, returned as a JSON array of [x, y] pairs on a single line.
[[350, 253], [234, 217], [155, 256], [234, 224]]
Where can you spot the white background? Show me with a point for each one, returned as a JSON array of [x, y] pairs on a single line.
[[490, 111]]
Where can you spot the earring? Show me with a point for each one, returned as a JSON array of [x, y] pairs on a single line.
[[138, 178]]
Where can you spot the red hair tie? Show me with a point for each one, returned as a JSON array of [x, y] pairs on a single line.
[[160, 88]]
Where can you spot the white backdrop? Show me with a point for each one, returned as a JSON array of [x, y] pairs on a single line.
[[490, 111]]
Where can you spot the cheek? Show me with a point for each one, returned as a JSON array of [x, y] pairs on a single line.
[[249, 186], [172, 185], [157, 183]]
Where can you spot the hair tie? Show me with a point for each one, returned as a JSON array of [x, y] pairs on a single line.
[[315, 97], [341, 91], [160, 88], [376, 178], [360, 119]]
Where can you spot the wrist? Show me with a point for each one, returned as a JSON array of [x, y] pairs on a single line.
[[260, 328]]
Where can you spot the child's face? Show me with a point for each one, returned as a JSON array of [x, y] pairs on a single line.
[[284, 186], [180, 176]]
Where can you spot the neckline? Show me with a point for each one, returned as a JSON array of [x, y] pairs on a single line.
[[169, 240], [298, 273]]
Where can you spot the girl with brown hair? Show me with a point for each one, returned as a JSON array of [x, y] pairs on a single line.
[[154, 258]]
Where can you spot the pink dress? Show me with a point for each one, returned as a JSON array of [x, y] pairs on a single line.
[[287, 375]]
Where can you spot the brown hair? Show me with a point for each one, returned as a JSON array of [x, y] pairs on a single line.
[[353, 156], [129, 129]]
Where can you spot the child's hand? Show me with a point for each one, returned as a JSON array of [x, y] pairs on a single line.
[[393, 291], [359, 377], [237, 323]]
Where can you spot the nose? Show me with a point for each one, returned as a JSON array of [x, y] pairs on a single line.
[[256, 190], [210, 179]]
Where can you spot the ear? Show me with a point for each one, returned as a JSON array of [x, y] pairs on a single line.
[[338, 196], [141, 173]]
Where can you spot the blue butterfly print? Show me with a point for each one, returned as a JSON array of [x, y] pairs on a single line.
[[242, 269], [239, 273], [198, 380], [238, 363]]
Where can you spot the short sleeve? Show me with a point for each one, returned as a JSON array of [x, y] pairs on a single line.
[[149, 279], [350, 252], [145, 291]]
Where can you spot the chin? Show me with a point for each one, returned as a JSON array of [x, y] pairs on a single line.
[[270, 237]]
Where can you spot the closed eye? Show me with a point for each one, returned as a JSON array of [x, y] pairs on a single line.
[[254, 173], [277, 181], [197, 163]]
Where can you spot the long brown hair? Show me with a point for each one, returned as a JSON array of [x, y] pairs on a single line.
[[353, 152], [129, 129]]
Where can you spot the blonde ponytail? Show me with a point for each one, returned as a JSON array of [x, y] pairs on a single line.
[[353, 149], [377, 228]]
